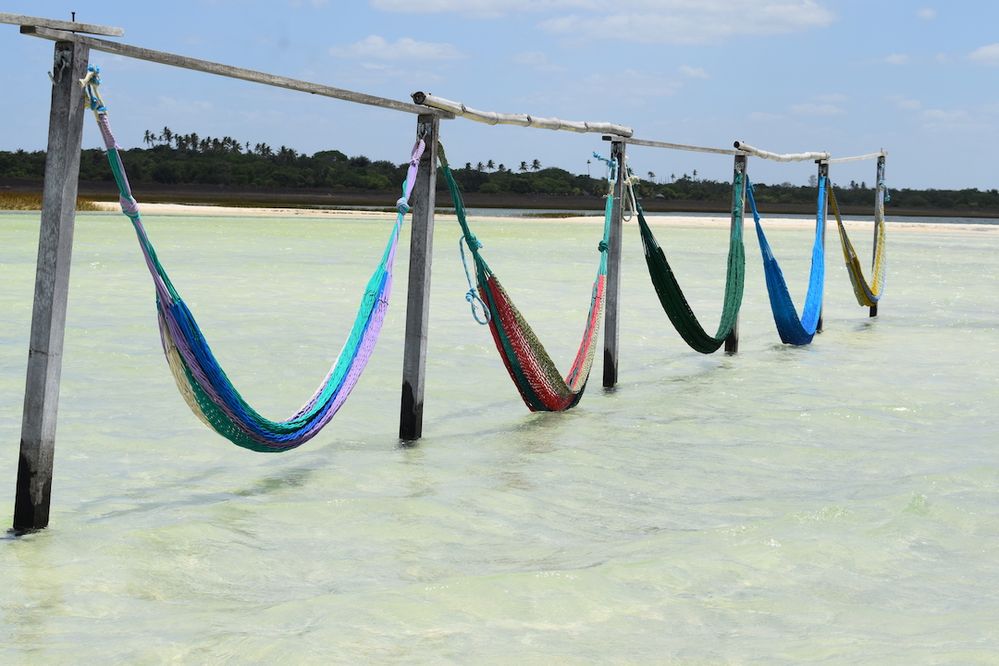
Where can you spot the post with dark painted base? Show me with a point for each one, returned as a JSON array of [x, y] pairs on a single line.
[[740, 167], [414, 361], [879, 203], [612, 306], [48, 318], [823, 173]]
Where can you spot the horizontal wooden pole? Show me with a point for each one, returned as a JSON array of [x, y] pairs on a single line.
[[72, 26], [674, 146], [219, 69], [858, 158], [780, 157], [521, 119]]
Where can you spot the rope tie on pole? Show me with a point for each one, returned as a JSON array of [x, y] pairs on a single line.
[[628, 211]]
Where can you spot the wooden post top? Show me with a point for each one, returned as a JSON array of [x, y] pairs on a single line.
[[69, 26]]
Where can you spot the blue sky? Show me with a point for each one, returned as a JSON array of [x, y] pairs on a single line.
[[920, 79]]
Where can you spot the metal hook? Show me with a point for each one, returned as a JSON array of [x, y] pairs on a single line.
[[60, 65]]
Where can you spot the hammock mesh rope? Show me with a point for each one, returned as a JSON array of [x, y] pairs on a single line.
[[671, 296], [200, 379], [537, 378], [868, 293], [792, 329]]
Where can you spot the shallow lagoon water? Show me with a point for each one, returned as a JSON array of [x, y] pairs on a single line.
[[834, 503]]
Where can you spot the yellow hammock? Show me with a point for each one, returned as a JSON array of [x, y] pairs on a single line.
[[868, 293]]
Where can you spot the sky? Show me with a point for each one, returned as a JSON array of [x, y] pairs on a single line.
[[918, 79]]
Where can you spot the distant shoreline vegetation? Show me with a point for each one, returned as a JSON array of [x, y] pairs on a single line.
[[189, 168]]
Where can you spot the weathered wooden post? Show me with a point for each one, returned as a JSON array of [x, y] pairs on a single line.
[[879, 206], [48, 318], [823, 173], [739, 172], [421, 245], [612, 307]]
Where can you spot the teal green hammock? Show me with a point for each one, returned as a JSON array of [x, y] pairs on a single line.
[[541, 385], [201, 380], [671, 296]]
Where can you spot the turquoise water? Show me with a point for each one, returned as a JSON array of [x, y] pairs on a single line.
[[834, 503]]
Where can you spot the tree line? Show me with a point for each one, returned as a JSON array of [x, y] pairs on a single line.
[[172, 158]]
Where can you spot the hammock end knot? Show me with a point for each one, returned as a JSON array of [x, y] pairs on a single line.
[[129, 206], [602, 246], [475, 302], [402, 206]]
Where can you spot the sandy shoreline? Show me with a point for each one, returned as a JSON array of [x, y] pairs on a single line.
[[673, 220]]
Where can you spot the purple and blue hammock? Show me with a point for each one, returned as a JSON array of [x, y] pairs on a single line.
[[202, 382]]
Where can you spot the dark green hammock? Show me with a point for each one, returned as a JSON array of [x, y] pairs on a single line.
[[671, 295]]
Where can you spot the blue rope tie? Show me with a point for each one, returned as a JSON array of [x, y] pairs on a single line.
[[887, 193], [472, 296], [611, 166], [90, 88]]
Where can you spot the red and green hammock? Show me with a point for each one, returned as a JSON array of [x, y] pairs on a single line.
[[532, 370]]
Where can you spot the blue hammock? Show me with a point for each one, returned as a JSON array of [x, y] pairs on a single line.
[[793, 330]]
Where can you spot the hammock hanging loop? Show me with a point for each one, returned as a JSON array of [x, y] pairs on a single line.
[[480, 312]]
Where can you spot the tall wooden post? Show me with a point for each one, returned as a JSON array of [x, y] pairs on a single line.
[[612, 306], [421, 246], [879, 204], [740, 168], [823, 173], [48, 319]]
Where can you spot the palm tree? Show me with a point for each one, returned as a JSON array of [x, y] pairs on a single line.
[[148, 138], [535, 165], [652, 176], [490, 165], [468, 166], [523, 166], [479, 166], [167, 135], [695, 174]]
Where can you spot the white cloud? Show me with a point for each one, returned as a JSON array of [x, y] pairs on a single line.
[[982, 119], [987, 55], [831, 98], [764, 117], [405, 48], [693, 72], [639, 84], [949, 119], [690, 21], [897, 59], [480, 8], [905, 103], [816, 109], [537, 60], [942, 58], [649, 21], [926, 13]]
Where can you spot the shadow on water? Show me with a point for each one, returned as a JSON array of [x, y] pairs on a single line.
[[291, 478]]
